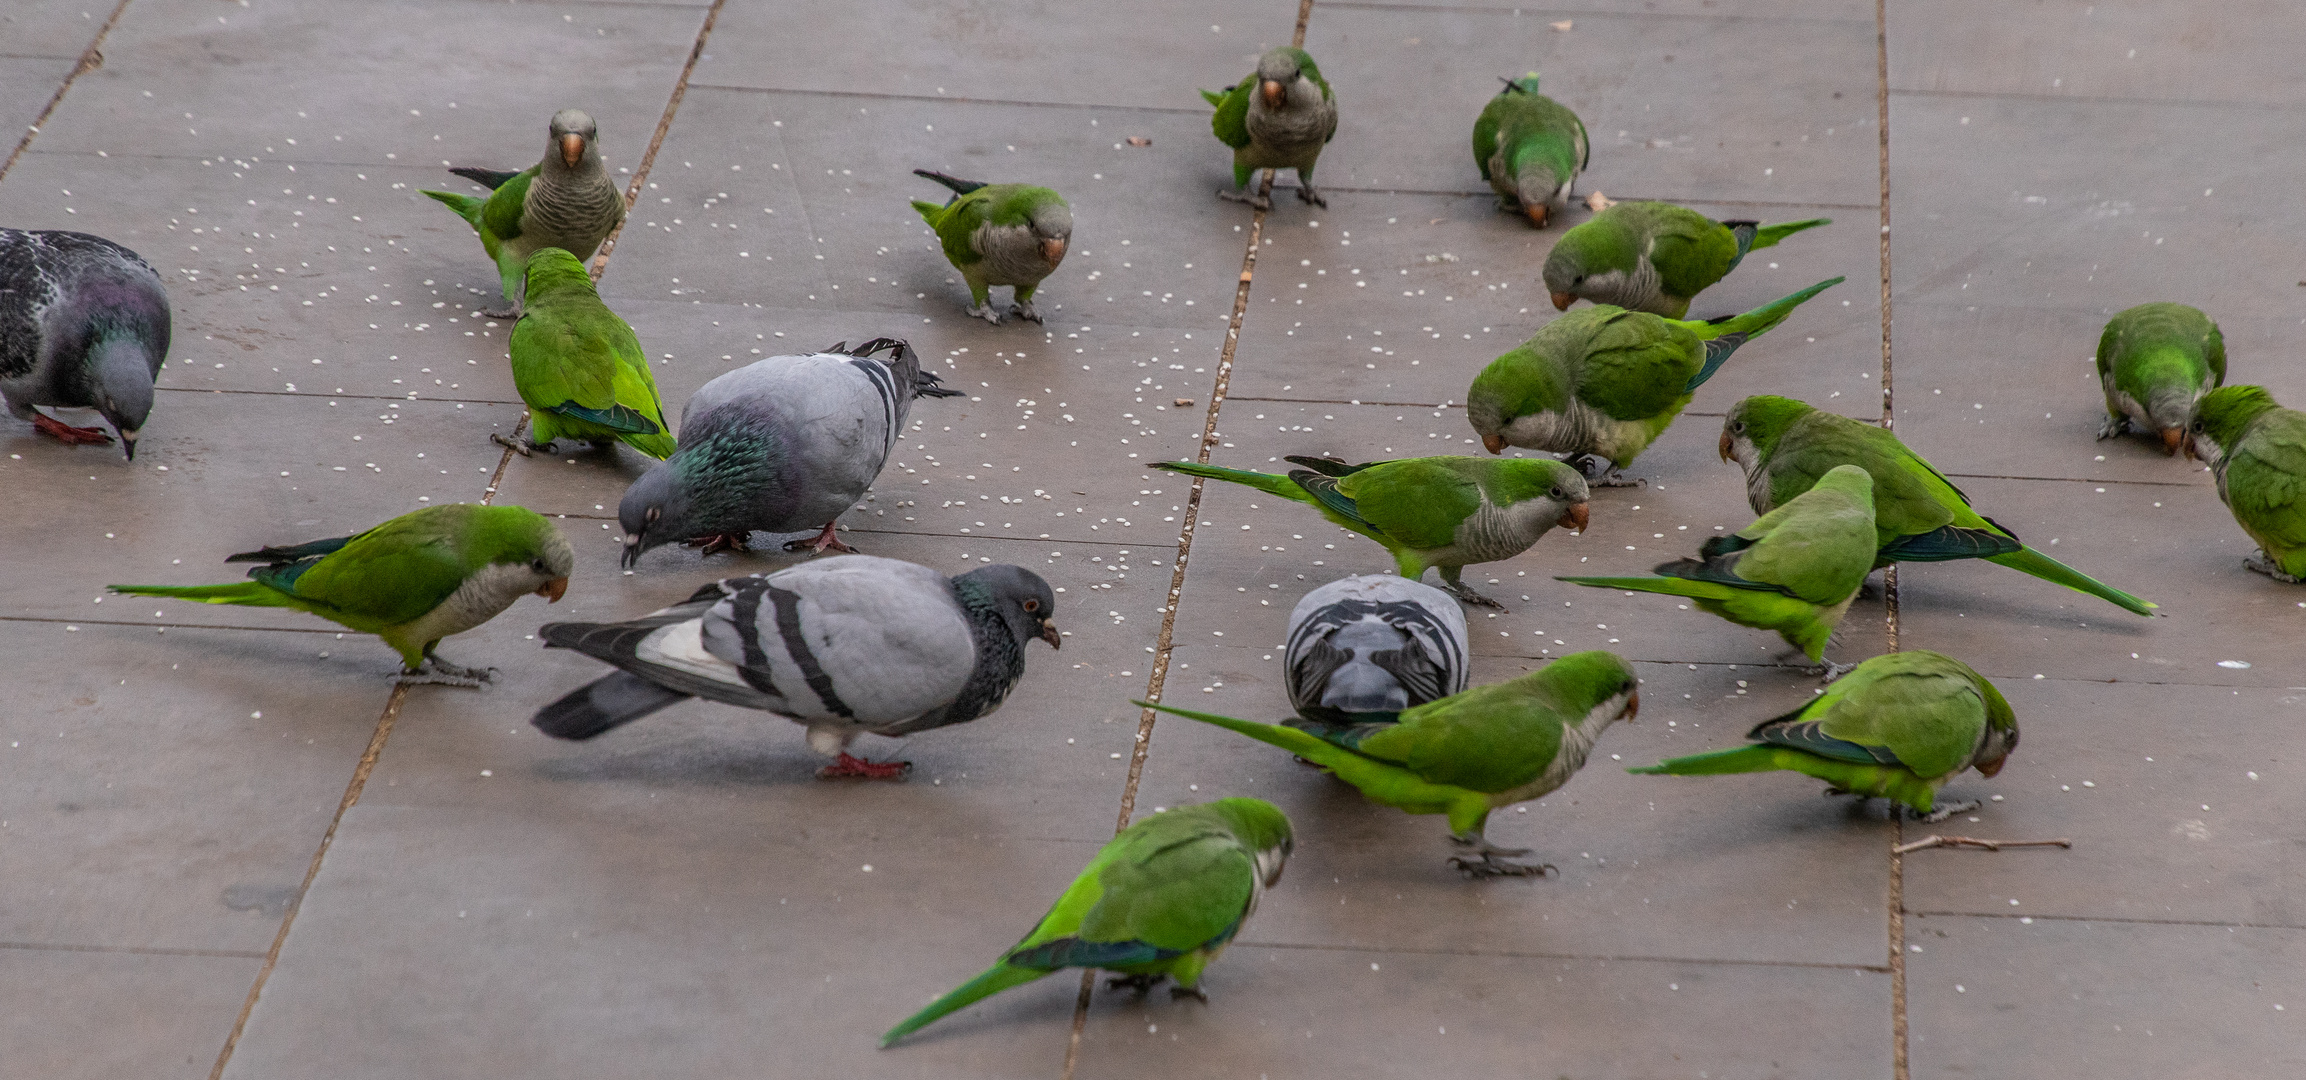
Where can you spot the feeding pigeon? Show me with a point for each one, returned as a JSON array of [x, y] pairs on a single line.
[[83, 325], [782, 445], [844, 646], [1362, 649]]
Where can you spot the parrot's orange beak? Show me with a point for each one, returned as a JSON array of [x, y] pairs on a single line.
[[1562, 300], [2172, 438], [1725, 446], [2191, 453], [553, 590], [1633, 709], [1495, 444], [1272, 91], [1574, 518], [1989, 768], [1049, 634], [1539, 214], [572, 149], [1053, 249]]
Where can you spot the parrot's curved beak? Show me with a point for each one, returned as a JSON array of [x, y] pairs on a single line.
[[1725, 446], [572, 149], [1049, 634], [1272, 91], [1562, 300], [553, 590], [1989, 768], [1633, 709], [1574, 518], [2172, 439], [1053, 249], [1539, 214], [2192, 454], [632, 552], [1495, 444]]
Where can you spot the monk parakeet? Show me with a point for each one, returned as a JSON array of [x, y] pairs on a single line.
[[1794, 571], [2258, 449], [1530, 148], [84, 324], [411, 581], [579, 367], [1000, 234], [1653, 256], [1896, 727], [565, 201], [1445, 512], [1278, 118], [2155, 361], [1470, 753], [1784, 446], [1159, 901], [1601, 384]]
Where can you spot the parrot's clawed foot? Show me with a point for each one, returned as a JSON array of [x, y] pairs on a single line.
[[1142, 984], [1828, 671], [66, 433], [439, 672], [822, 542], [508, 313], [1180, 993], [718, 542], [2114, 425], [1599, 472], [1466, 594], [2266, 566], [1025, 311], [850, 767], [1307, 195], [523, 447], [1255, 200], [984, 311], [1487, 867], [1944, 812]]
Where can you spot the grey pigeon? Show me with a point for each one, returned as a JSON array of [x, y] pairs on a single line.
[[1362, 649], [782, 445], [845, 645], [83, 325], [567, 201]]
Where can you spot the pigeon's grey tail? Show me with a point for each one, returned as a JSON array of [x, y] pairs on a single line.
[[608, 702], [903, 362], [959, 186]]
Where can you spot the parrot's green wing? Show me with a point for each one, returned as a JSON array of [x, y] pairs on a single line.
[[1490, 739], [1917, 709], [2265, 482], [389, 575], [2214, 355], [1636, 366], [1485, 139], [503, 213], [1183, 895], [1690, 251], [1418, 503], [1820, 547], [1231, 122], [578, 364], [957, 230]]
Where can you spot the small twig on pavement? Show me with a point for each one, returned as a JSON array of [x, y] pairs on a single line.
[[1934, 841]]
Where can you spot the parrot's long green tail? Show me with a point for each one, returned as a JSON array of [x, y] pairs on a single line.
[[929, 211], [467, 207], [250, 593], [1738, 759], [1880, 781], [1704, 590], [1769, 235], [2049, 569], [991, 981], [1269, 483], [1723, 336]]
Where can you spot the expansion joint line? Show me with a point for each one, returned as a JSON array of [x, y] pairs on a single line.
[[90, 59], [1895, 901], [1143, 744], [392, 705]]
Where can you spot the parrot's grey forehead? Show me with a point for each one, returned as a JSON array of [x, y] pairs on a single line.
[[1278, 66], [573, 121], [1053, 217]]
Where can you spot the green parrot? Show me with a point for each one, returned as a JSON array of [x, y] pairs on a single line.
[[1784, 446], [2258, 450], [1000, 234], [411, 581], [2155, 361], [1530, 148], [1601, 384], [1160, 900], [1795, 570], [579, 367], [1653, 256], [567, 201], [1468, 754], [1445, 512], [1897, 727], [1278, 118]]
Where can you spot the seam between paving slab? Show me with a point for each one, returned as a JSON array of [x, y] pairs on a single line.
[[89, 58], [1895, 902]]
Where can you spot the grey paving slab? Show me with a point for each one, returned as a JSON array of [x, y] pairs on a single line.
[[2163, 50], [92, 1015], [2068, 999], [26, 85], [2165, 829], [58, 29], [1354, 1013], [166, 789], [1675, 108]]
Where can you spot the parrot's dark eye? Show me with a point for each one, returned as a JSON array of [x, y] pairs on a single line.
[[1738, 426], [1032, 606], [1557, 492], [537, 565]]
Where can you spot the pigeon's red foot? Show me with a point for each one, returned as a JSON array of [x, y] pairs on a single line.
[[825, 541], [851, 767], [717, 542], [66, 433]]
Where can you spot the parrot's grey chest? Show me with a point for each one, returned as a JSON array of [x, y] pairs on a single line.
[[1501, 532], [1577, 741], [1012, 255], [574, 213], [483, 596], [1302, 124], [1637, 290]]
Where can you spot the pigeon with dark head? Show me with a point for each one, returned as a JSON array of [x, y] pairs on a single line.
[[83, 325]]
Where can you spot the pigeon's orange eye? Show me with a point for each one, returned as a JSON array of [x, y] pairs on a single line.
[[1032, 606]]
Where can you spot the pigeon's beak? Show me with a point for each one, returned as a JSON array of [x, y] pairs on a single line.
[[2172, 438], [632, 552], [1495, 444], [1632, 707], [1539, 214], [128, 443], [572, 149], [1053, 249], [553, 590], [1574, 518], [1562, 300], [1049, 634], [1725, 446], [1272, 91]]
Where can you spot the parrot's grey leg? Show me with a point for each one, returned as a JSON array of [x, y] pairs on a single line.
[[1180, 993], [2115, 425], [523, 447], [1142, 984], [984, 311], [2264, 565], [1492, 860], [1305, 193], [508, 313], [439, 672], [1599, 473], [1451, 583], [1024, 310], [1252, 198], [1946, 811], [1829, 671]]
